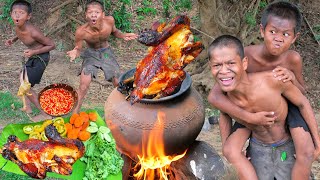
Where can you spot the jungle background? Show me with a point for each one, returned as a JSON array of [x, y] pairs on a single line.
[[59, 19]]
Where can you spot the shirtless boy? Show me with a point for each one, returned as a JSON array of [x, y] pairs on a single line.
[[37, 52], [95, 32], [255, 92], [280, 26]]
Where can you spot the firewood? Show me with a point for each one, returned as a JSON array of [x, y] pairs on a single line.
[[51, 10]]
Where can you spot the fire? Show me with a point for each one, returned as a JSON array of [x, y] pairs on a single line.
[[153, 162]]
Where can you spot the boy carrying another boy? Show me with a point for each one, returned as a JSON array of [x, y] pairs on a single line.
[[37, 53], [280, 26], [95, 32], [271, 148]]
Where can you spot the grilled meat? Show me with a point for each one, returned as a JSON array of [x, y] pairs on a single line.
[[161, 72], [36, 157]]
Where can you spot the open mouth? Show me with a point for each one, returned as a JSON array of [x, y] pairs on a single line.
[[94, 21], [226, 81], [277, 46]]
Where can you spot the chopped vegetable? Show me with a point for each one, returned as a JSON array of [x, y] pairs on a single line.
[[34, 135], [28, 129], [101, 156], [93, 116], [84, 135], [56, 101]]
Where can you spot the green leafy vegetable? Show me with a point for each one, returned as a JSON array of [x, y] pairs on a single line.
[[101, 156]]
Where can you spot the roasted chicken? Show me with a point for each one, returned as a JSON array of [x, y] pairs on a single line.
[[161, 72], [36, 157]]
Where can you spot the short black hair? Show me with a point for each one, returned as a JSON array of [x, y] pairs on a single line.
[[227, 41], [94, 2], [23, 3], [285, 10]]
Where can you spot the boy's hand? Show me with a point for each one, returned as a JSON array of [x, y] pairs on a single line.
[[130, 36], [28, 53], [73, 54], [9, 42], [263, 118], [283, 74]]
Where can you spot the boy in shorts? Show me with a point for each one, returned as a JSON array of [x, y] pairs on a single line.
[[37, 53], [95, 32], [271, 148], [280, 26]]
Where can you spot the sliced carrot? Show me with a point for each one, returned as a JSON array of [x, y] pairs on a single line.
[[73, 118], [93, 116], [78, 122], [84, 135], [68, 126], [72, 134], [85, 125]]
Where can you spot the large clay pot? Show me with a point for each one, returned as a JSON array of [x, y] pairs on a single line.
[[183, 122]]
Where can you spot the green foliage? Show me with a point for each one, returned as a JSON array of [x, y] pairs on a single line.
[[9, 108], [122, 17], [183, 4], [166, 6], [250, 18], [263, 4], [316, 30], [5, 16]]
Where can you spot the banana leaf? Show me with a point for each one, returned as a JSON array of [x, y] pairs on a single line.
[[78, 167]]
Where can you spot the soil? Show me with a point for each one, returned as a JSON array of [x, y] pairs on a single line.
[[60, 70]]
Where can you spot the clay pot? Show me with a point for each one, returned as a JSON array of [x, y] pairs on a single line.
[[183, 122]]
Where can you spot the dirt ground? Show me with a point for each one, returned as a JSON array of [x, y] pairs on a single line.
[[60, 70]]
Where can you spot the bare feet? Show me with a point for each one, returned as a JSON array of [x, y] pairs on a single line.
[[40, 117]]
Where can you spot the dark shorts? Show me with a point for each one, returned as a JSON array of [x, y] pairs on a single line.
[[35, 67], [294, 119], [272, 161], [104, 59]]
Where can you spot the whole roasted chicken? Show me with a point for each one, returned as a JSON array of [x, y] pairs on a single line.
[[161, 72], [36, 157]]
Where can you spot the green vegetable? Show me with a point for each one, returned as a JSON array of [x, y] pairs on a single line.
[[101, 155]]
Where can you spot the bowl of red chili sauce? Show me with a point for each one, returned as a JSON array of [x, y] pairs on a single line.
[[58, 99]]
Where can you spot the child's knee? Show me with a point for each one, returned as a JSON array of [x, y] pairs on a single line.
[[231, 153], [305, 155]]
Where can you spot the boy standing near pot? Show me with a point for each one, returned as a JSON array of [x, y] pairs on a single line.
[[280, 26], [37, 53], [95, 32]]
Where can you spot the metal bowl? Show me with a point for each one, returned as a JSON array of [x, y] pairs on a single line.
[[186, 84], [65, 87]]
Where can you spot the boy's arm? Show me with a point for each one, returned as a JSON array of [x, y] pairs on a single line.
[[225, 124], [75, 52], [217, 99], [295, 75], [47, 43], [9, 42], [294, 95]]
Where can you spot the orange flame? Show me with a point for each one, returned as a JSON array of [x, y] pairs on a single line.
[[154, 162]]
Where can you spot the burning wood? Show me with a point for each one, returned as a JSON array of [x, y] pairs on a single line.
[[153, 161]]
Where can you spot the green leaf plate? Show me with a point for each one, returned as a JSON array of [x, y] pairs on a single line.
[[78, 167]]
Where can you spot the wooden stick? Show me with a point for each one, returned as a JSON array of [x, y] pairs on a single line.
[[314, 35], [51, 10], [58, 27], [74, 19]]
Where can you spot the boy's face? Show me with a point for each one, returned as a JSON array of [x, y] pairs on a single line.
[[94, 15], [227, 67], [19, 15], [278, 35]]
